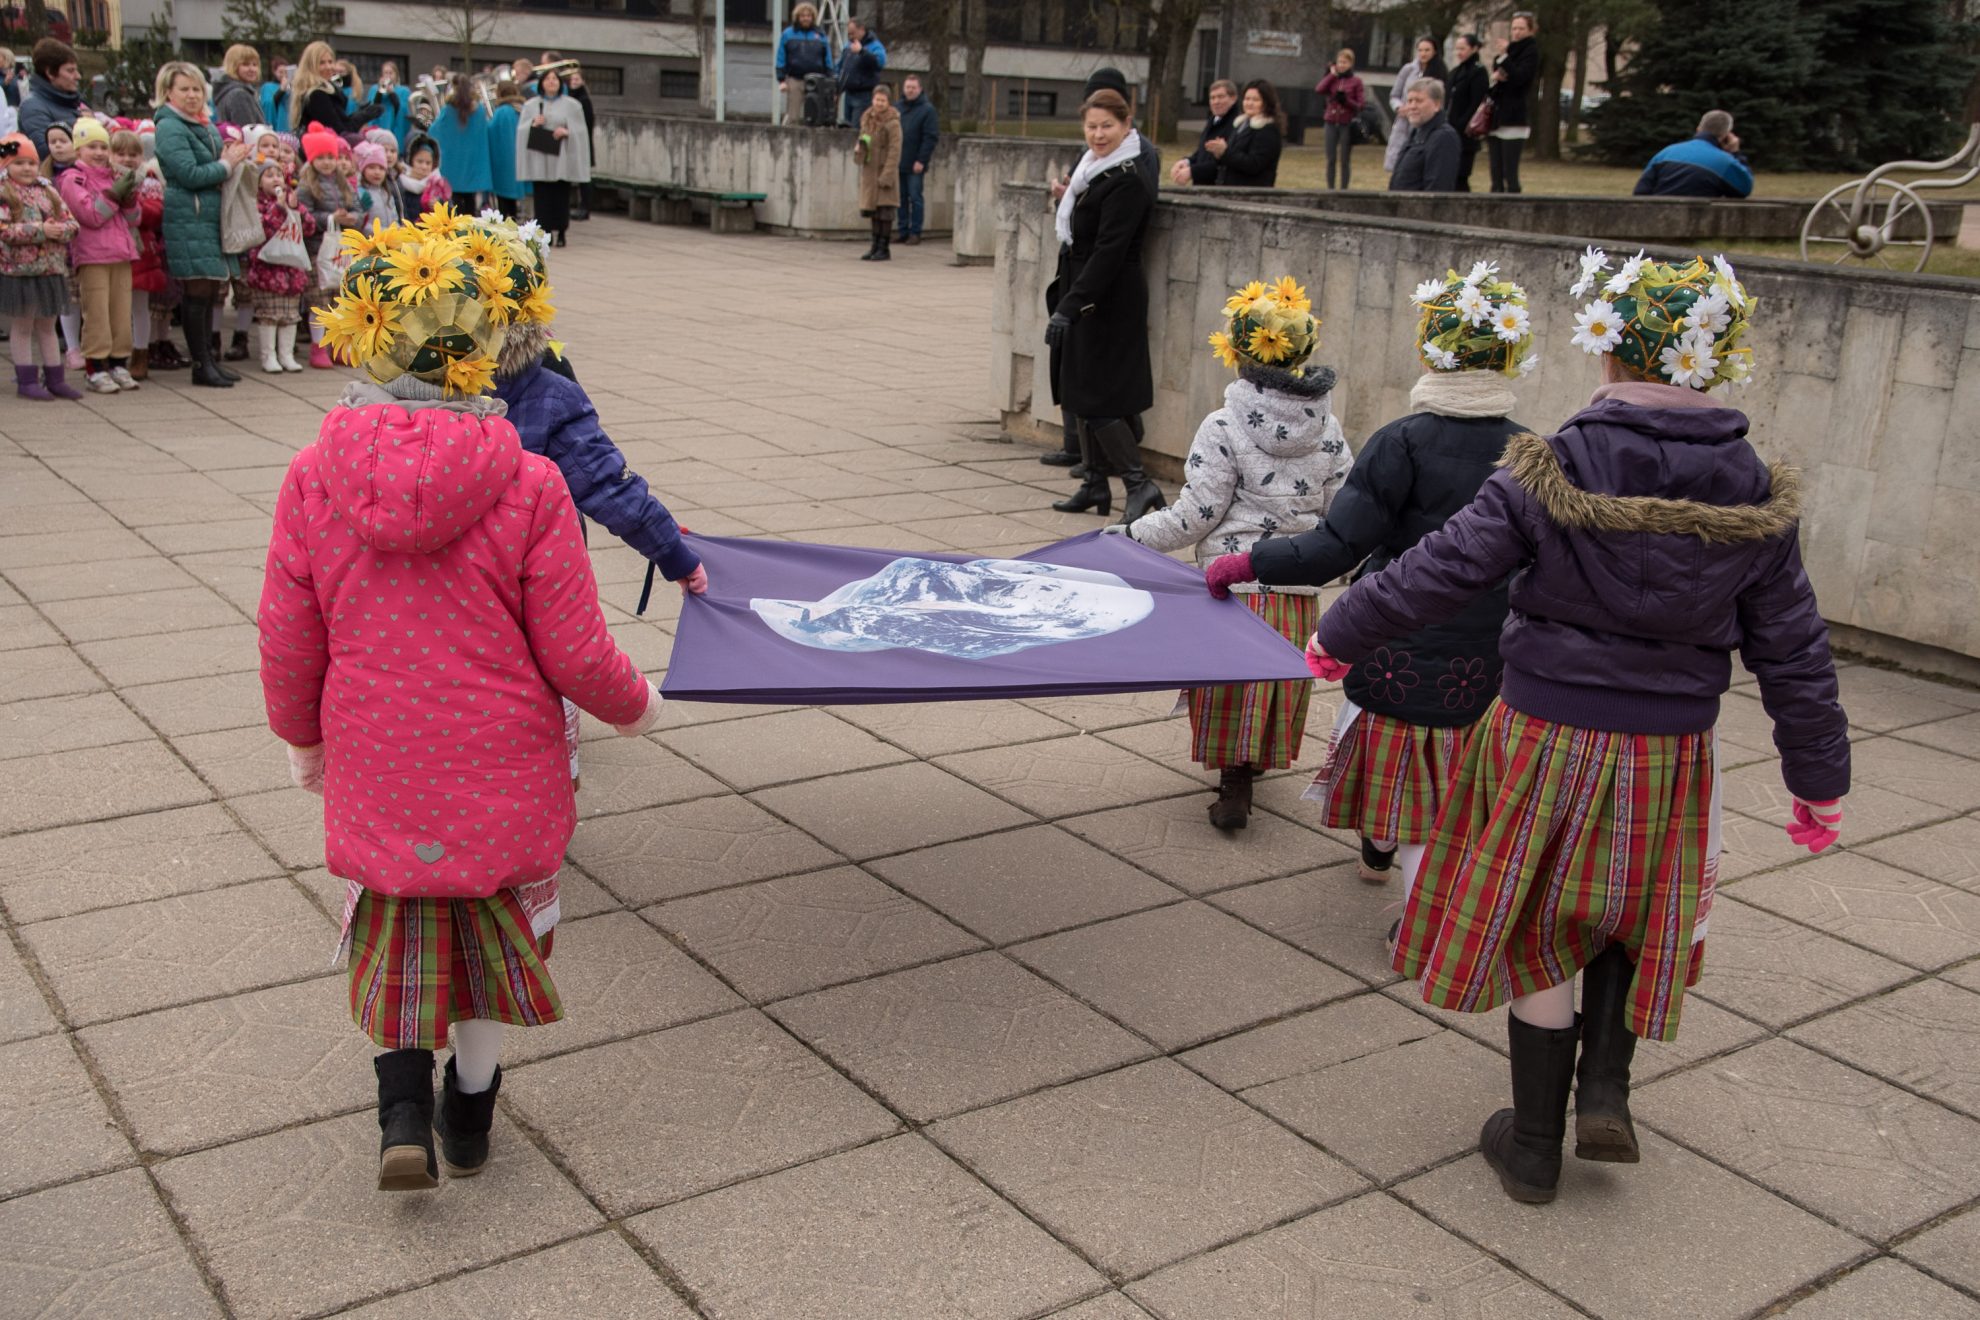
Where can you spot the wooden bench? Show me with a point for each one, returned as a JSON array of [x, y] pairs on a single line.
[[673, 204]]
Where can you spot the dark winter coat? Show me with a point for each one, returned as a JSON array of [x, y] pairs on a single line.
[[1467, 91], [1646, 545], [921, 129], [1252, 158], [44, 106], [189, 158], [1410, 478], [1512, 100], [1343, 94], [1204, 167], [555, 418], [1696, 167], [1429, 160], [802, 51], [236, 102], [1101, 370], [329, 107]]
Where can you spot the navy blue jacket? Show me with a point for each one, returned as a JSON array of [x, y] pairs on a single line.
[[919, 131], [1696, 167], [554, 417]]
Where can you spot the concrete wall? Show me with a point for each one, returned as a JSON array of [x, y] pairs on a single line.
[[1869, 382], [807, 174], [980, 166]]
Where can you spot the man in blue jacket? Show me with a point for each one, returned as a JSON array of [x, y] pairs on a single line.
[[802, 50], [859, 70], [1707, 164], [920, 128]]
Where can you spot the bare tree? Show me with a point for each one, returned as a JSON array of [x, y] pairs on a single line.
[[465, 24], [976, 35]]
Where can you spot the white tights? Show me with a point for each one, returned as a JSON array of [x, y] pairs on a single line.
[[477, 1052], [140, 319], [33, 339]]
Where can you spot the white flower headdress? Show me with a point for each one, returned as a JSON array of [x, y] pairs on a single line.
[[1681, 325], [1474, 322]]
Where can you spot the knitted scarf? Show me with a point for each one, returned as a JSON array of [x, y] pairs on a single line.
[[1462, 394], [1083, 175]]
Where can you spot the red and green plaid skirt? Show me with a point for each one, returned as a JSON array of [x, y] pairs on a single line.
[[1555, 842], [1256, 724], [420, 964], [1386, 778]]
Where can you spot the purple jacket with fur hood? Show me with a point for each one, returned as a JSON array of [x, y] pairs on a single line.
[[1646, 542]]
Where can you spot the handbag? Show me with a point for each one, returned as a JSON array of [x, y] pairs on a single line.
[[240, 211], [285, 246], [543, 140], [1481, 119], [332, 260]]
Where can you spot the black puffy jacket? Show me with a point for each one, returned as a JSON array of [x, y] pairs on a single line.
[[1407, 482]]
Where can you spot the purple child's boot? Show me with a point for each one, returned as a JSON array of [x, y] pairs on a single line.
[[56, 378], [27, 384]]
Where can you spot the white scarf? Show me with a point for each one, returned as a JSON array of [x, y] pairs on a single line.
[[1462, 394], [1083, 176]]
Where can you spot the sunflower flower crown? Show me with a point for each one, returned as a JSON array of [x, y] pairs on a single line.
[[1681, 325], [1474, 322], [434, 300], [1268, 325]]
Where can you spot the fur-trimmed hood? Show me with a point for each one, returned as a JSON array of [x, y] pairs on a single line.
[[1621, 467], [521, 349]]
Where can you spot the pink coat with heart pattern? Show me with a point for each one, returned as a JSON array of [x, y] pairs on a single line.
[[427, 599]]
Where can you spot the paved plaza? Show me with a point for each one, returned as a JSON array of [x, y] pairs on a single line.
[[892, 1011]]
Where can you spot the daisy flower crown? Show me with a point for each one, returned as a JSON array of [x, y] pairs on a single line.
[[1669, 324], [434, 299], [1267, 325], [1474, 322]]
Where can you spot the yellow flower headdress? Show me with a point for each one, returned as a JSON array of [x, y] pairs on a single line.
[[1269, 325], [413, 304], [1670, 324], [1474, 322]]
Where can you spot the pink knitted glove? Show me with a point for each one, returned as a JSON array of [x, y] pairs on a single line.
[[1226, 569], [1324, 666], [1817, 825], [306, 768], [648, 718]]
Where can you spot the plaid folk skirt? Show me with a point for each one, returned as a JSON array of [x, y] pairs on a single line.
[[272, 308], [1386, 778], [1555, 842], [418, 965], [1256, 724]]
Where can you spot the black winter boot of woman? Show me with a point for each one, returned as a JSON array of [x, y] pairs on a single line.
[[1523, 1144], [463, 1122], [1602, 1127], [1232, 809], [196, 313], [1094, 493], [1119, 444], [405, 1121]]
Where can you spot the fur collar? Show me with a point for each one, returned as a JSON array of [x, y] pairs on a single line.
[[521, 349], [1317, 382], [1536, 467]]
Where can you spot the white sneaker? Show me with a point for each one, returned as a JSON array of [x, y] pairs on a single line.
[[124, 379], [99, 382]]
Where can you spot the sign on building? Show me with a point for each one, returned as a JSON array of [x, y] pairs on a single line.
[[1262, 41]]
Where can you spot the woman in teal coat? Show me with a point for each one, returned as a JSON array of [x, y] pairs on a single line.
[[461, 131], [195, 166], [390, 93], [508, 189]]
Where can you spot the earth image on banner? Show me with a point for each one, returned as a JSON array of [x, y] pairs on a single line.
[[971, 611]]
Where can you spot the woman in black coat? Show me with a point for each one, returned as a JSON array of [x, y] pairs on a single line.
[[1250, 157], [1514, 71], [319, 92], [1098, 333]]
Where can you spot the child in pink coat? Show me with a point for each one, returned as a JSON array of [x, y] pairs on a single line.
[[104, 201], [427, 603]]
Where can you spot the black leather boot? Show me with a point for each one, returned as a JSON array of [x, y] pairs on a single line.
[[873, 247], [405, 1121], [218, 359], [885, 250], [1602, 1127], [1120, 447], [196, 312], [1094, 493], [462, 1123], [1523, 1144], [1232, 809], [238, 350]]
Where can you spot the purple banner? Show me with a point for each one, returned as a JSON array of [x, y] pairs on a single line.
[[791, 624]]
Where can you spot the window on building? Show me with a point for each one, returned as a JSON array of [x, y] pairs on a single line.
[[368, 66], [605, 79], [680, 85], [1206, 63], [1037, 105]]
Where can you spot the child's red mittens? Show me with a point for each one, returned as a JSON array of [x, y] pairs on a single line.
[[1816, 825], [1225, 570]]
